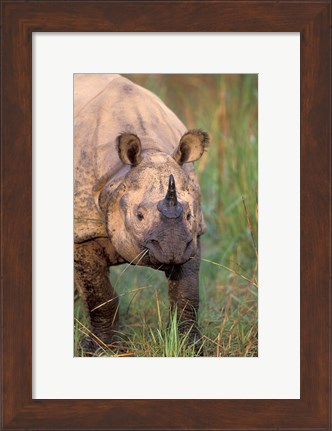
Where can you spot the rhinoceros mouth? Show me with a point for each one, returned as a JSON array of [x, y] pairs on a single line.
[[170, 254]]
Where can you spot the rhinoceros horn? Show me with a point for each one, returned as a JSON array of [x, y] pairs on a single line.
[[170, 207]]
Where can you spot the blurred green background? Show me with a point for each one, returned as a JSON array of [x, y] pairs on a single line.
[[226, 106]]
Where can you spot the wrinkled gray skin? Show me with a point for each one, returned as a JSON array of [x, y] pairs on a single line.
[[136, 198]]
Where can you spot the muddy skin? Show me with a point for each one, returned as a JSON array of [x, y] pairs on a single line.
[[136, 200], [91, 263]]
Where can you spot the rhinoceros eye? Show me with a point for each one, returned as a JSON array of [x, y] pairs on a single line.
[[188, 216], [140, 216]]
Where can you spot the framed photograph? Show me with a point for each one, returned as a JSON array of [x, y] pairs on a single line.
[[240, 91]]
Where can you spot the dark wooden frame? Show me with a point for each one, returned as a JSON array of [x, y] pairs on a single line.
[[19, 20]]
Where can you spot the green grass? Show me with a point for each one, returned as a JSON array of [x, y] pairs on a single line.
[[226, 107]]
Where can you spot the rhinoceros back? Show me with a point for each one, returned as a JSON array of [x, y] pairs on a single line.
[[105, 106]]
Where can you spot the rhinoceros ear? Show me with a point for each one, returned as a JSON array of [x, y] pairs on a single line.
[[129, 149], [191, 146]]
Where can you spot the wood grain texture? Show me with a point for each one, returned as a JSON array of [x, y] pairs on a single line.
[[19, 20]]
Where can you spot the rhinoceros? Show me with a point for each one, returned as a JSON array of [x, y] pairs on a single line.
[[136, 198]]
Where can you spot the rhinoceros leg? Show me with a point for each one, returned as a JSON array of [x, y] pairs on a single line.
[[183, 289], [92, 281]]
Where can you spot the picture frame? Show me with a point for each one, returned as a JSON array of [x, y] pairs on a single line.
[[19, 21]]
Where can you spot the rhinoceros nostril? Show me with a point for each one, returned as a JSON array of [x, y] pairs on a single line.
[[155, 244], [189, 244]]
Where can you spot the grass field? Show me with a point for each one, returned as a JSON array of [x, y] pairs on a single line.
[[226, 107]]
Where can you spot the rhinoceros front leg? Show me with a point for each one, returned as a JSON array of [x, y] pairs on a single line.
[[183, 289], [92, 282]]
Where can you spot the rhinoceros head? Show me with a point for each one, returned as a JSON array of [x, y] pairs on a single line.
[[154, 215]]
